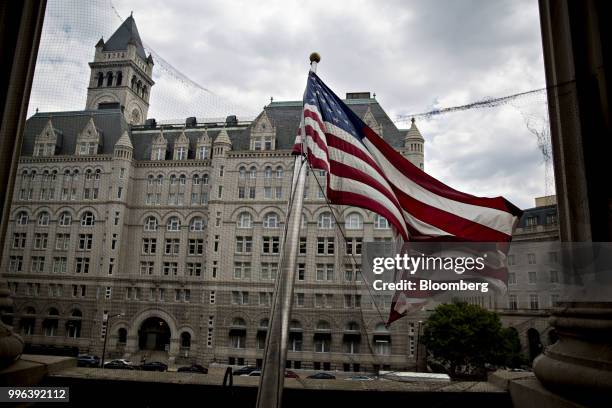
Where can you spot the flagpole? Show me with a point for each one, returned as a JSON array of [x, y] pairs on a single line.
[[272, 378]]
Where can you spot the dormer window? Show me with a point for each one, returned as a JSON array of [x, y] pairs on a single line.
[[268, 143], [46, 142], [257, 144], [181, 153], [203, 152], [88, 148]]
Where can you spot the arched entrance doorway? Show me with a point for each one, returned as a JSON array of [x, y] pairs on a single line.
[[154, 334], [535, 344]]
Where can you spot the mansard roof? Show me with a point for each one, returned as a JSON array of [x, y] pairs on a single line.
[[284, 116], [127, 33], [110, 122]]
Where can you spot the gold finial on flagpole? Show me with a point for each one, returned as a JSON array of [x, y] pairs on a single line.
[[314, 60]]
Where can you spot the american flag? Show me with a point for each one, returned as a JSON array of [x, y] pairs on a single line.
[[365, 171]]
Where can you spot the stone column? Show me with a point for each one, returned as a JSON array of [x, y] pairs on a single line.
[[577, 49]]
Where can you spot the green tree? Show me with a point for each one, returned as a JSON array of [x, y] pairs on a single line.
[[465, 337]]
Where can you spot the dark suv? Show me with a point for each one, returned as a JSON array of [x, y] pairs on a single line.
[[194, 368], [154, 366], [87, 360], [246, 370]]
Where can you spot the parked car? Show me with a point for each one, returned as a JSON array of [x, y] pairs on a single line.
[[244, 370], [254, 373], [322, 376], [194, 368], [360, 378], [154, 366], [124, 361], [291, 374], [118, 365], [87, 360]]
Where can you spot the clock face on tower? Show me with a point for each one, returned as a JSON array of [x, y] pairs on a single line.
[[135, 117], [134, 114]]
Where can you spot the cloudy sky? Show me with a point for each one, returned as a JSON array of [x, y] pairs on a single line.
[[416, 56]]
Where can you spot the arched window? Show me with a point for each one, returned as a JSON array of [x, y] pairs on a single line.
[[323, 325], [196, 179], [253, 172], [380, 222], [144, 92], [354, 221], [119, 78], [73, 326], [109, 78], [172, 179], [65, 219], [322, 337], [182, 179], [268, 172], [150, 179], [382, 340], [381, 328], [185, 340], [133, 82], [205, 179], [122, 336], [173, 224], [88, 174], [295, 325], [160, 179], [43, 219], [150, 224], [271, 220], [97, 174], [245, 220], [352, 326], [326, 220], [296, 336], [50, 324], [88, 219], [279, 172], [100, 79], [242, 172], [351, 340], [237, 334], [197, 224], [22, 218]]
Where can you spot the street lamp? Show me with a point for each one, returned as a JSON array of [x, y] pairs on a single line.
[[106, 319], [417, 345]]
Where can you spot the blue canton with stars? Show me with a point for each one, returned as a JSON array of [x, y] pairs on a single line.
[[332, 109]]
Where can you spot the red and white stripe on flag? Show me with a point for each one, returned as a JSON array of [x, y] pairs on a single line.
[[365, 171]]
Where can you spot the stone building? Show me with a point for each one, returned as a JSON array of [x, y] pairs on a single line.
[[171, 233], [535, 282]]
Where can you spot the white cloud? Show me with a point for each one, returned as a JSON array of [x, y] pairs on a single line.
[[415, 55]]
